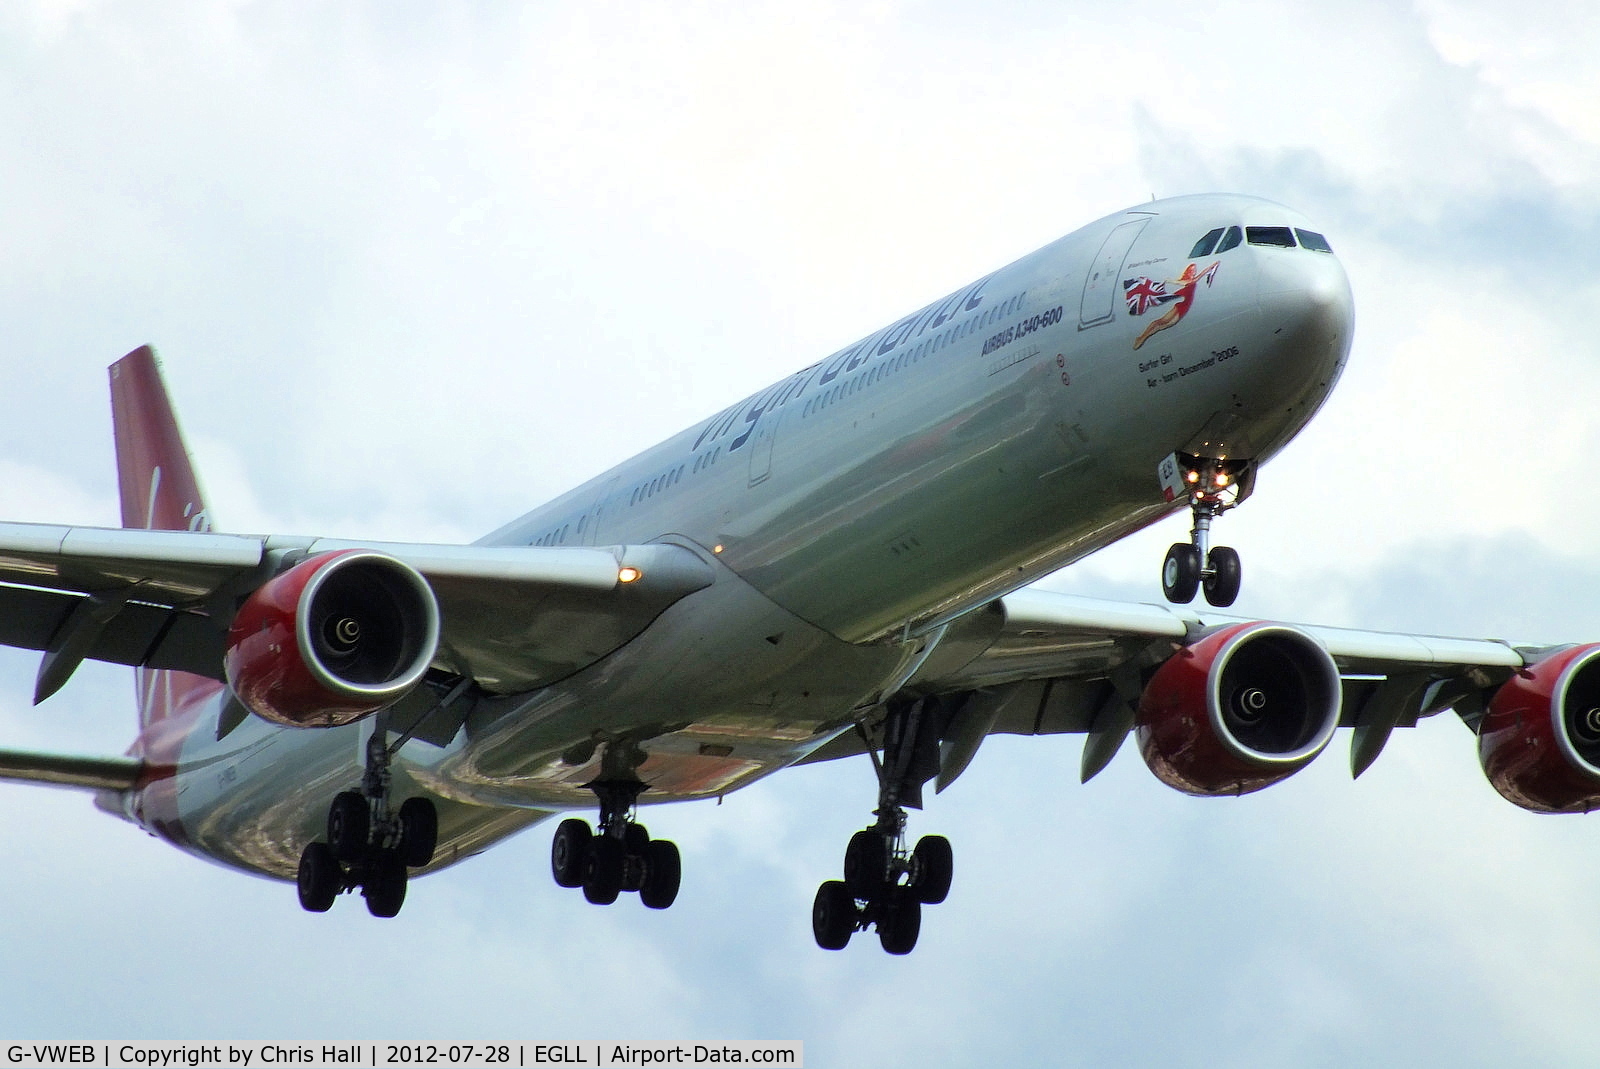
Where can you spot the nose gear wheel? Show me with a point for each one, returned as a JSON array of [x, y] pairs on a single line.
[[1213, 487]]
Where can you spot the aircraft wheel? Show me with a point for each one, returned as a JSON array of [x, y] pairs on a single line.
[[419, 831], [569, 852], [900, 924], [385, 885], [603, 880], [833, 915], [1222, 585], [349, 825], [663, 869], [635, 865], [932, 865], [866, 863], [319, 879], [1180, 573]]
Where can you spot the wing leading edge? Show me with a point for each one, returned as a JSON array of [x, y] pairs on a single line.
[[164, 599], [1037, 662]]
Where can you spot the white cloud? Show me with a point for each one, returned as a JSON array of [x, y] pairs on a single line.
[[412, 272]]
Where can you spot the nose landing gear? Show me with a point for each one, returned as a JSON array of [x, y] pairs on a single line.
[[1213, 487]]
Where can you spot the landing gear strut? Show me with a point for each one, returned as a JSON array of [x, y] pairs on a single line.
[[369, 846], [621, 856], [885, 885], [1213, 487]]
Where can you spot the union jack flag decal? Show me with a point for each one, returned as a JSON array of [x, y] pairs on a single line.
[[1143, 294]]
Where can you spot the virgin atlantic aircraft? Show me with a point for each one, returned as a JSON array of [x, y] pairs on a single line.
[[837, 565]]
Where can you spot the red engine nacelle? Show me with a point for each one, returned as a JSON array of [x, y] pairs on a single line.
[[1539, 741], [1239, 710], [333, 639]]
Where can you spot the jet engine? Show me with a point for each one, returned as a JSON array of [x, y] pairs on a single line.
[[333, 639], [1539, 741], [1239, 710]]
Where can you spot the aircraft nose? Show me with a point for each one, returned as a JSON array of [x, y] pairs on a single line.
[[1306, 305]]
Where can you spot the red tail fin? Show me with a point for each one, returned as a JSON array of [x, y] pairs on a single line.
[[159, 492]]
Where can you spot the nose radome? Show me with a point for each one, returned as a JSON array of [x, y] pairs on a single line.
[[1313, 281], [1306, 295]]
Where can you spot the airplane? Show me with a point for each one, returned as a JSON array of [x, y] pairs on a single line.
[[835, 566]]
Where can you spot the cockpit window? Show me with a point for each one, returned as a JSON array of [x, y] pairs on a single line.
[[1280, 236], [1231, 239], [1310, 239], [1204, 246]]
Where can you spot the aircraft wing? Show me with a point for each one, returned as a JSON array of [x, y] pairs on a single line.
[[511, 617], [1039, 662]]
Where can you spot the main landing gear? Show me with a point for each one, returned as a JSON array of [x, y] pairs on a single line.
[[620, 857], [1214, 487], [884, 884], [369, 846]]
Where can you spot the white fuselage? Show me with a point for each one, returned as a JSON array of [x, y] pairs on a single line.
[[849, 510]]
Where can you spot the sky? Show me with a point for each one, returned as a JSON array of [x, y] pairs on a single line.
[[415, 268]]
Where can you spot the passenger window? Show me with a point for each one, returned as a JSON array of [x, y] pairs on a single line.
[[1206, 245], [1277, 236], [1231, 239], [1310, 239]]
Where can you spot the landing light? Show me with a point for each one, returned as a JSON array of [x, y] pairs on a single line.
[[1222, 479], [629, 574], [1192, 476]]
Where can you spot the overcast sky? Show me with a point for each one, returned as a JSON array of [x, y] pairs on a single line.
[[412, 273]]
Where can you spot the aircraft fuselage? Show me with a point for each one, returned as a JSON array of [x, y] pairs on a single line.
[[962, 451]]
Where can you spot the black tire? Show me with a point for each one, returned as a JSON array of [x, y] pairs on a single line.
[[900, 924], [1180, 573], [833, 915], [1222, 585], [662, 873], [319, 879], [419, 831], [385, 885], [349, 825], [603, 881], [932, 865], [866, 864], [569, 852], [635, 848]]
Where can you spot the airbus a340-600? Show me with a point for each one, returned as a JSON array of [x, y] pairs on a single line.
[[837, 565]]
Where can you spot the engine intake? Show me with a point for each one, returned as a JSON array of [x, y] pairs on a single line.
[[1539, 741], [333, 639], [1239, 710]]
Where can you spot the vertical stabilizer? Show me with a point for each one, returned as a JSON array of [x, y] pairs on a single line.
[[159, 492], [158, 484]]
